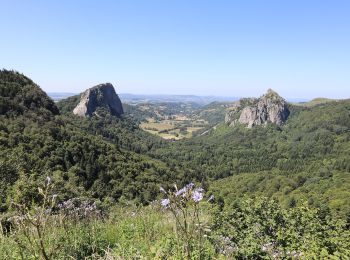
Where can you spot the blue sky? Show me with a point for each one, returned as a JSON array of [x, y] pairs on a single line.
[[227, 48]]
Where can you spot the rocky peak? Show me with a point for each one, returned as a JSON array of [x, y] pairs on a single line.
[[272, 94], [269, 108], [100, 96]]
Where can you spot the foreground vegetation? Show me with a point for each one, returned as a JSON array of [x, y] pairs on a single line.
[[181, 226]]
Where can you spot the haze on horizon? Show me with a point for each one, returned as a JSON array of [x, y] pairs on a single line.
[[222, 48]]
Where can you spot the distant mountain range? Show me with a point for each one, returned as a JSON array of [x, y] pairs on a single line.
[[60, 95], [142, 98], [203, 100]]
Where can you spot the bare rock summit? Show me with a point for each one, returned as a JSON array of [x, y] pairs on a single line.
[[102, 96], [269, 108]]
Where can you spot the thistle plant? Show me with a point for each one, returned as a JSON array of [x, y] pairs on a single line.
[[31, 222], [184, 206]]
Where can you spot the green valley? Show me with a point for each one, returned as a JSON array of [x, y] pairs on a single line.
[[248, 179]]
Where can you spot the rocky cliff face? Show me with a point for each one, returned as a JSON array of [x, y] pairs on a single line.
[[270, 108], [101, 96]]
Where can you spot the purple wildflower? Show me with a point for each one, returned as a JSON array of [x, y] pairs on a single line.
[[200, 189], [181, 192], [165, 203], [190, 185], [197, 195]]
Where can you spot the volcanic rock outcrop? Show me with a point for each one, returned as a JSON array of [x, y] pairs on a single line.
[[270, 108], [100, 96]]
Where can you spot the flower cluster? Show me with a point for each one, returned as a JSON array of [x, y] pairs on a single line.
[[165, 202], [78, 209], [225, 245], [186, 194], [184, 206], [272, 249]]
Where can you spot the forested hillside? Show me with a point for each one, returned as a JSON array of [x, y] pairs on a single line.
[[91, 158], [306, 158], [20, 95], [100, 187]]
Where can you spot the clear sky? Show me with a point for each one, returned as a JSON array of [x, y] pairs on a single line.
[[300, 48]]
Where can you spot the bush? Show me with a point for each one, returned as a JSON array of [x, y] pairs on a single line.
[[260, 228]]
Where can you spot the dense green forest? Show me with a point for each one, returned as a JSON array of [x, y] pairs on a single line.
[[307, 158], [271, 175], [97, 158]]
